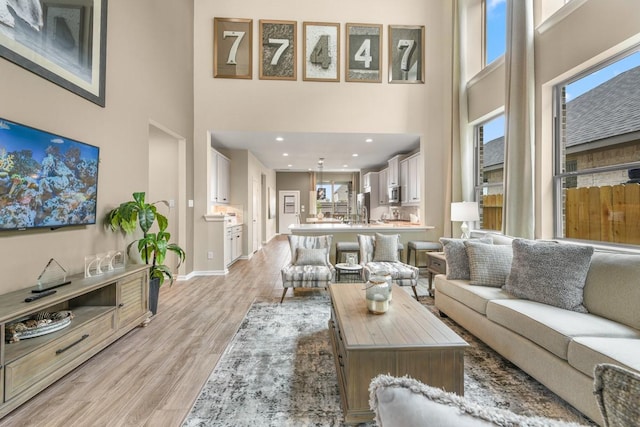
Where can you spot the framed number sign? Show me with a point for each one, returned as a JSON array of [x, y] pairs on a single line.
[[363, 59], [232, 42], [321, 51], [406, 54], [278, 48]]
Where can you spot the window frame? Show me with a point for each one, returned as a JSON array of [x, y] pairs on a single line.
[[558, 174]]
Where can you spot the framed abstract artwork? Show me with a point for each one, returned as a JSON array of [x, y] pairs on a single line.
[[364, 56], [232, 48], [64, 42], [321, 52], [406, 54], [278, 47]]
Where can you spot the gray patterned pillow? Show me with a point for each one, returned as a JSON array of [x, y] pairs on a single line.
[[306, 256], [456, 255], [489, 265], [550, 273], [386, 248]]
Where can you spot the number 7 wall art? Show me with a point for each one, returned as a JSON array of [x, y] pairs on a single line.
[[406, 54], [278, 59], [232, 42], [363, 59], [321, 51]]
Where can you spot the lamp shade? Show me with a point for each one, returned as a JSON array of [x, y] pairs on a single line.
[[464, 211]]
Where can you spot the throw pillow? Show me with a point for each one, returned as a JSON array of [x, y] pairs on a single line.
[[549, 272], [456, 255], [307, 256], [386, 248], [489, 265], [404, 401]]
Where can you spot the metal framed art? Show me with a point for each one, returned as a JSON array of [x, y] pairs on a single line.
[[232, 48], [321, 52], [363, 59], [64, 42], [406, 54], [278, 49]]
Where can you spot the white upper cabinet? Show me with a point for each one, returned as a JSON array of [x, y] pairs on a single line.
[[220, 178], [393, 171], [404, 181], [414, 176], [383, 195]]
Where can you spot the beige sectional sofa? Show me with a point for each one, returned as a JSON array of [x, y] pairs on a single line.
[[558, 347]]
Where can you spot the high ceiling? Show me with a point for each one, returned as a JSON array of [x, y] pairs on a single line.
[[305, 149]]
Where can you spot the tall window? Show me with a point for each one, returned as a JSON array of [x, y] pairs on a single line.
[[333, 198], [597, 153], [489, 172], [495, 29]]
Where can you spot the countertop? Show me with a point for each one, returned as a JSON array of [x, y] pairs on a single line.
[[336, 228]]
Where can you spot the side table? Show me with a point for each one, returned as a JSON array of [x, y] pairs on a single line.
[[348, 273], [436, 264]]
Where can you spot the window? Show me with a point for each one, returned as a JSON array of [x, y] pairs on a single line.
[[495, 29], [333, 198], [489, 172], [597, 153]]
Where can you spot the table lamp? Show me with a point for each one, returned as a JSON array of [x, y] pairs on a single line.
[[463, 212]]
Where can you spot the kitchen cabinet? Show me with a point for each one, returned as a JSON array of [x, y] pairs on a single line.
[[220, 170], [414, 178], [233, 244], [404, 181], [393, 171], [368, 179], [383, 194]]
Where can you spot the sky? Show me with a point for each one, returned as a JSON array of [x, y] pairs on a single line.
[[496, 46]]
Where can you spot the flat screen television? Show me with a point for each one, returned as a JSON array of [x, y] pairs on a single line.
[[46, 180]]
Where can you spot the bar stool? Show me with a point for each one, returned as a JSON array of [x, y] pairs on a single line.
[[419, 246], [347, 247]]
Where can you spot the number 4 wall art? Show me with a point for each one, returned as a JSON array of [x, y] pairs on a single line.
[[406, 58], [363, 59], [321, 51], [278, 59], [232, 41]]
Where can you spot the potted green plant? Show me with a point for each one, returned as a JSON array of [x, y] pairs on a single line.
[[152, 246]]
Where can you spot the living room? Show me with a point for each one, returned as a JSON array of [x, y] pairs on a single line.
[[160, 92]]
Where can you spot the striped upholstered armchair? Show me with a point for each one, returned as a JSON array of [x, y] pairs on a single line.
[[309, 266], [380, 253]]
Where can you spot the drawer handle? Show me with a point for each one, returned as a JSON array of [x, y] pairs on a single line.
[[62, 350]]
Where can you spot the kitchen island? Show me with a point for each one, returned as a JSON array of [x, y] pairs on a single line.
[[349, 232]]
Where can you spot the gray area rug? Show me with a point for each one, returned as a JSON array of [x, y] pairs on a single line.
[[278, 370]]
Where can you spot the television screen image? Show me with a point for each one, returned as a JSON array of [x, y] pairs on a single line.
[[46, 180]]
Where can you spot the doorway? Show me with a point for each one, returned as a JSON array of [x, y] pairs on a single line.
[[289, 210], [168, 183]]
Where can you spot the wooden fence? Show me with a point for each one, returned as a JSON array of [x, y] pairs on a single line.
[[606, 214], [492, 212], [603, 214]]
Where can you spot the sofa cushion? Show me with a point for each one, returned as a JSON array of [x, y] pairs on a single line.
[[405, 401], [474, 297], [587, 352], [550, 273], [550, 327], [614, 271], [307, 256], [386, 248], [489, 265], [456, 255], [317, 276]]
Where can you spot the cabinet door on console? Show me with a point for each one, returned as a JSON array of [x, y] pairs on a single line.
[[132, 299]]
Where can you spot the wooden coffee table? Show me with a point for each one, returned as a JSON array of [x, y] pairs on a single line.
[[406, 340]]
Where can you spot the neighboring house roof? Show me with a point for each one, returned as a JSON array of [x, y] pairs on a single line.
[[493, 152], [607, 110]]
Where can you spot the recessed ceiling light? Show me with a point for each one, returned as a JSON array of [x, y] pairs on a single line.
[[285, 154], [368, 140], [345, 166], [279, 139], [354, 155], [289, 166]]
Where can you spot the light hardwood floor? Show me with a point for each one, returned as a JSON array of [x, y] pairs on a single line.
[[152, 376]]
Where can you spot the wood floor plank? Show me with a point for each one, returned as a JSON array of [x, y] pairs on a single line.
[[152, 375]]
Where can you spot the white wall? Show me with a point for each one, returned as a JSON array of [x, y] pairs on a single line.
[[149, 77], [300, 106]]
